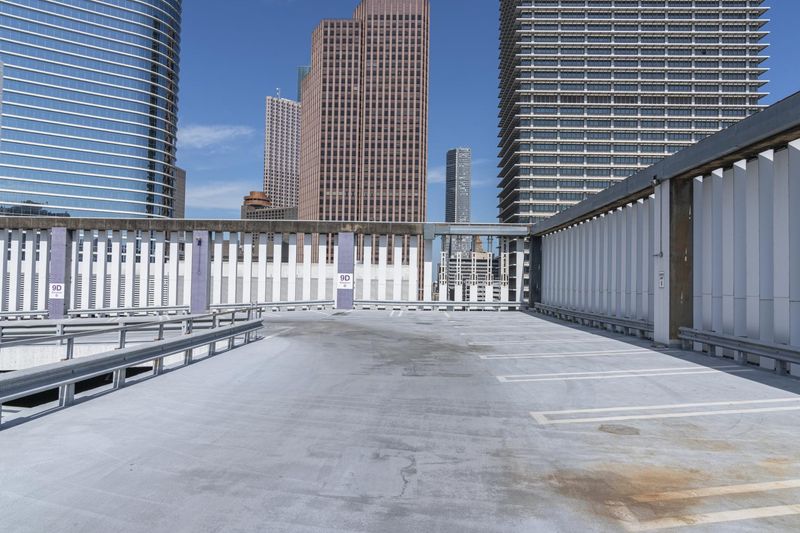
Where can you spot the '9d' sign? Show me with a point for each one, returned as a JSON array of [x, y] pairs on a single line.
[[56, 291], [345, 282]]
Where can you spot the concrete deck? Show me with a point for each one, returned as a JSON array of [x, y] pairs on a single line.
[[418, 422]]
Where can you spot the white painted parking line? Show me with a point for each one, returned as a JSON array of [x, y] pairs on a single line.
[[618, 374], [714, 518], [550, 355], [548, 341], [725, 490], [544, 417]]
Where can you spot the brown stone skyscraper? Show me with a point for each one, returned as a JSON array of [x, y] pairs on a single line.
[[364, 119]]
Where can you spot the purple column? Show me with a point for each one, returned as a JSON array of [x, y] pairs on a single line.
[[201, 255], [345, 279], [58, 285]]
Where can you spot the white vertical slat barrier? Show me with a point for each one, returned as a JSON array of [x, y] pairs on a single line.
[[793, 168], [708, 266], [263, 241], [427, 282], [102, 269], [144, 270], [520, 251], [627, 261], [716, 252], [740, 248], [173, 269], [651, 252], [158, 270], [397, 270], [602, 264], [14, 271], [636, 258], [86, 270], [413, 268], [277, 261], [114, 270], [382, 256], [322, 267], [292, 274], [28, 264], [233, 267], [247, 269], [753, 252], [130, 268], [307, 266], [366, 291], [73, 271], [4, 284], [188, 250], [42, 271], [765, 227], [726, 231], [698, 253], [613, 266], [335, 267], [216, 269], [780, 211]]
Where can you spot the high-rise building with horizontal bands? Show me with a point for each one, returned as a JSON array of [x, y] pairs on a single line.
[[591, 91], [282, 151], [365, 115], [89, 107], [458, 195]]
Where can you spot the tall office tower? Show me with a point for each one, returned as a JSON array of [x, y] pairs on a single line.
[[282, 151], [89, 107], [365, 115], [458, 194], [302, 72], [593, 90]]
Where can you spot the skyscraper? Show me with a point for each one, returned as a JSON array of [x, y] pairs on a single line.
[[458, 194], [365, 115], [89, 107], [282, 151], [302, 72], [593, 90]]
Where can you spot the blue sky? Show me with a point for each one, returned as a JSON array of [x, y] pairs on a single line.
[[233, 57]]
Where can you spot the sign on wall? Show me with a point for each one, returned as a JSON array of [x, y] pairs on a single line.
[[345, 282], [56, 291]]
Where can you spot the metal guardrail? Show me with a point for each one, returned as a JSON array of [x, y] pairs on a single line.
[[186, 323], [21, 315], [278, 306], [438, 306], [628, 326], [65, 374], [129, 311], [742, 347]]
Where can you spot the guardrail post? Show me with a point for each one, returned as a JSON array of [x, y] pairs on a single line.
[[158, 366], [118, 378], [58, 288], [66, 395], [122, 336], [160, 336], [200, 280], [70, 348], [673, 262]]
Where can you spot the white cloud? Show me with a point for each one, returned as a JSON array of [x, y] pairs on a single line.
[[437, 174], [199, 137], [226, 195]]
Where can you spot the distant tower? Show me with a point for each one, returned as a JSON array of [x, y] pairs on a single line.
[[459, 193], [302, 72], [282, 151], [365, 115]]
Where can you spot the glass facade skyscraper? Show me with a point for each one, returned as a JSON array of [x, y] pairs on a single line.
[[89, 107], [591, 91]]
